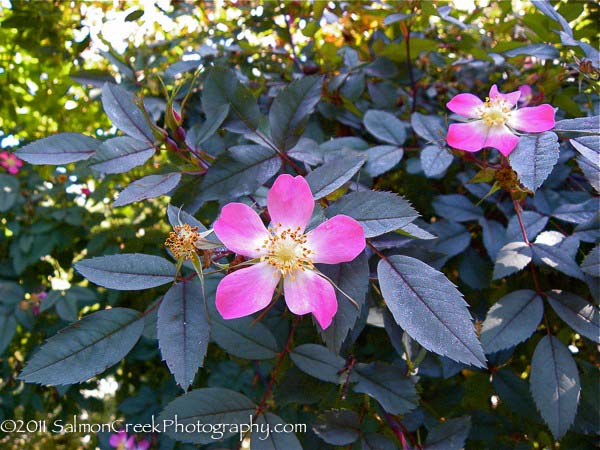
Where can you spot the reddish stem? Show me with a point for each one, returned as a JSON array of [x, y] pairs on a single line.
[[262, 405]]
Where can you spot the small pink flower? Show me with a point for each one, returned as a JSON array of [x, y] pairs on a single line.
[[10, 162], [526, 94], [141, 445], [496, 120], [121, 441], [284, 251]]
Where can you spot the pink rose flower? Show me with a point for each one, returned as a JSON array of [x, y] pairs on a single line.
[[10, 162], [495, 121], [141, 445], [121, 441], [284, 251]]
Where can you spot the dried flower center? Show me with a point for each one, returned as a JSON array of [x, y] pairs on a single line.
[[287, 250], [182, 241], [496, 111]]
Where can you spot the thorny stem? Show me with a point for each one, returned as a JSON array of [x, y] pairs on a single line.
[[536, 280], [413, 87]]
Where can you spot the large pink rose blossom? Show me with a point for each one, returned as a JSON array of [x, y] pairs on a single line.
[[284, 251], [495, 122], [10, 162]]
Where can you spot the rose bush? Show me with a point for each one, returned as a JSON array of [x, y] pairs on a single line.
[[303, 151]]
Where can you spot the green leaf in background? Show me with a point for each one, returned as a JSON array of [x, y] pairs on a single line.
[[449, 435], [9, 191]]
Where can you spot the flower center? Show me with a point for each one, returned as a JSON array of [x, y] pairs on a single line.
[[287, 250], [495, 111], [182, 241]]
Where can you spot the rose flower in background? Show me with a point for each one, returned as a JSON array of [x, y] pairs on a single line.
[[495, 122]]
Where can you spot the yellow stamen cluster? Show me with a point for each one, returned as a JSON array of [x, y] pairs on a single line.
[[287, 250], [495, 111], [182, 241]]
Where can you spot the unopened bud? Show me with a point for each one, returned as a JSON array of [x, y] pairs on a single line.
[[177, 117], [180, 134], [171, 145]]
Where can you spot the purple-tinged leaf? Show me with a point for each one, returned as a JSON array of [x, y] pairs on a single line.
[[449, 435], [457, 208], [85, 348], [382, 158], [511, 258], [591, 263], [62, 148], [208, 406], [578, 313], [429, 308], [120, 107], [534, 158], [319, 362], [378, 212], [333, 175], [291, 109], [183, 331], [121, 154], [385, 126], [127, 272], [150, 186], [435, 160], [554, 383], [511, 320]]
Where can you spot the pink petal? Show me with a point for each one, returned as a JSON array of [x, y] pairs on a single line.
[[290, 202], [336, 240], [474, 136], [469, 137], [239, 227], [114, 440], [533, 119], [143, 445], [466, 105], [526, 94], [13, 170], [512, 97], [501, 138], [130, 444], [246, 291], [307, 292]]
